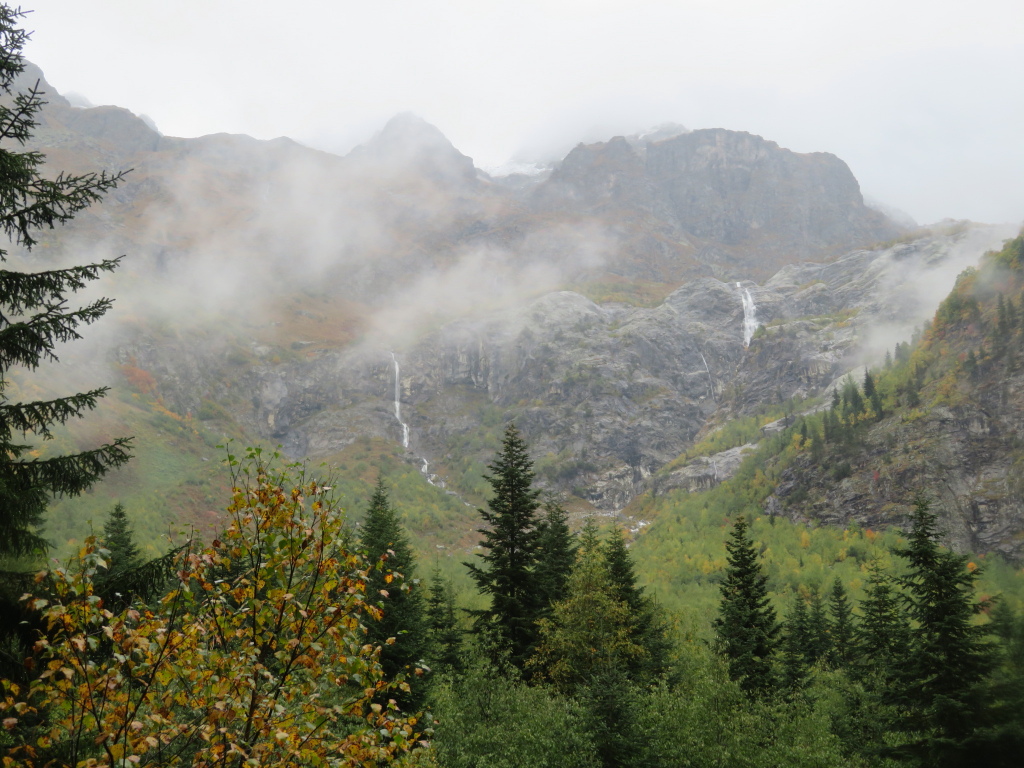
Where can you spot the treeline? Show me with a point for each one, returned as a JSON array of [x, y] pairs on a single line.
[[915, 677], [293, 638]]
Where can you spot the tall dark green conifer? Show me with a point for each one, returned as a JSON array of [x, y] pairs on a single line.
[[819, 642], [883, 633], [391, 581], [943, 676], [445, 638], [842, 630], [506, 573], [556, 553], [746, 623], [794, 646], [587, 649], [34, 316]]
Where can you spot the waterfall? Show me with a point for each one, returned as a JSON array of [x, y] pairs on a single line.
[[749, 315], [433, 479], [710, 378], [398, 402]]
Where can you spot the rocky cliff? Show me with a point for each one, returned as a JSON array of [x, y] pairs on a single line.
[[272, 284]]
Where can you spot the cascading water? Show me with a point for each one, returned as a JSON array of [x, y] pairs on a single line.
[[398, 402], [749, 315], [433, 479], [710, 378], [425, 468]]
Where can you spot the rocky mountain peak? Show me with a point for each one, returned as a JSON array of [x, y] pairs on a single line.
[[408, 142], [734, 187]]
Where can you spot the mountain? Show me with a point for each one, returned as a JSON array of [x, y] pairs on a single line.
[[953, 431], [609, 307]]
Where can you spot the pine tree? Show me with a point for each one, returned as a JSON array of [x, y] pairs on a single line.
[[872, 395], [841, 628], [34, 316], [119, 540], [794, 648], [391, 581], [118, 584], [746, 624], [949, 658], [971, 364], [1002, 318], [819, 642], [883, 634], [444, 635], [556, 553], [647, 628], [853, 402], [506, 573]]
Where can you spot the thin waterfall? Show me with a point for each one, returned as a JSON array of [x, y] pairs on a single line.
[[749, 315], [425, 467], [398, 402], [710, 378]]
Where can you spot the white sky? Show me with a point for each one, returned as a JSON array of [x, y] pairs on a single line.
[[923, 98]]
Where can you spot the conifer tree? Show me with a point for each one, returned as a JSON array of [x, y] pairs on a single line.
[[121, 581], [506, 573], [444, 635], [872, 395], [883, 633], [391, 581], [1002, 319], [949, 660], [794, 648], [34, 316], [556, 553], [119, 540], [587, 649], [647, 629], [746, 625], [819, 642], [841, 628]]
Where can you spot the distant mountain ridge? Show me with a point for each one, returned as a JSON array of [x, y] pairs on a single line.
[[698, 203], [292, 295]]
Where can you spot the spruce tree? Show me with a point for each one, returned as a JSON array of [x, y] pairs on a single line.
[[647, 628], [883, 633], [871, 393], [556, 553], [841, 628], [746, 625], [118, 584], [506, 573], [819, 641], [586, 650], [391, 582], [944, 674], [444, 636], [34, 315], [794, 644], [119, 540]]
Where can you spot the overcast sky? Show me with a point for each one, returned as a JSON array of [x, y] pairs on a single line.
[[924, 99]]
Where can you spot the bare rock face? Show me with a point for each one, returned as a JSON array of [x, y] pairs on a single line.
[[734, 188], [740, 200], [607, 395]]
